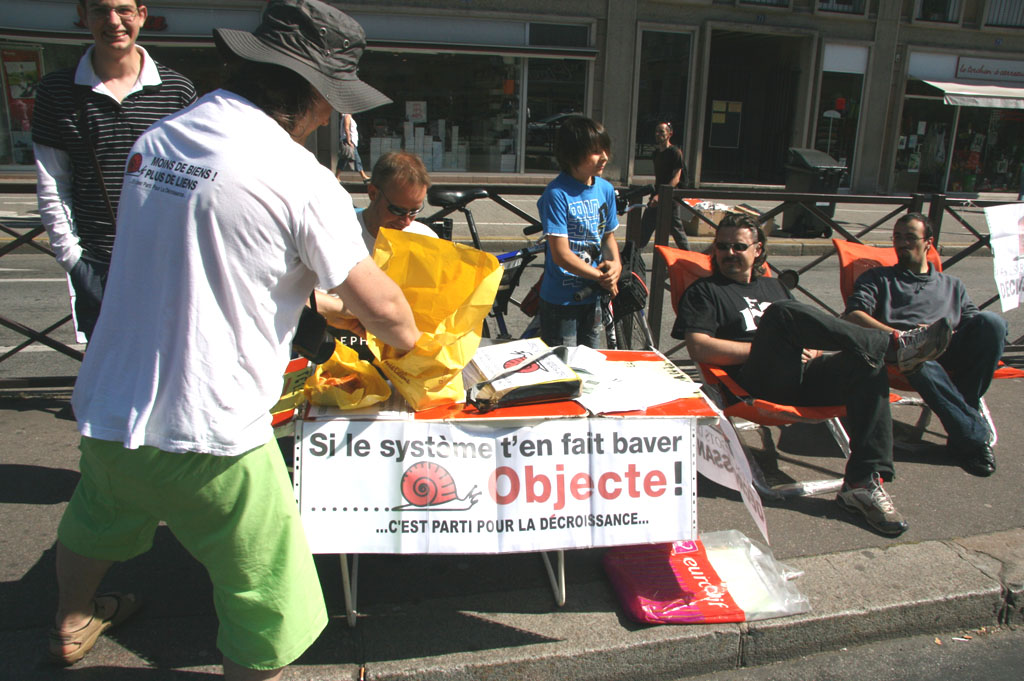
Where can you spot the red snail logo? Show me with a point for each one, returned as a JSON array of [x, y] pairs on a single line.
[[428, 485], [519, 360], [134, 164]]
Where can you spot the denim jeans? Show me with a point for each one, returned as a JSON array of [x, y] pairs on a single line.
[[853, 376], [561, 324], [88, 278], [953, 384]]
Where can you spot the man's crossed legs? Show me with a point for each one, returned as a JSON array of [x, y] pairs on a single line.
[[853, 374]]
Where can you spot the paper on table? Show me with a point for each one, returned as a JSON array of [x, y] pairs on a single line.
[[628, 386]]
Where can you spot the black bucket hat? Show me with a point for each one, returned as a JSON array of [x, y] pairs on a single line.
[[315, 40]]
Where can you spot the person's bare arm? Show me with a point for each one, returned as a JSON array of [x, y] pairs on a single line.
[[570, 262], [379, 304], [333, 310], [611, 264], [710, 350]]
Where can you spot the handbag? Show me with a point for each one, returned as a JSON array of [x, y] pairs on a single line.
[[632, 282], [312, 340]]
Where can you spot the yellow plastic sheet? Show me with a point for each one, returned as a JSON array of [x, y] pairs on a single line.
[[346, 382], [450, 288]]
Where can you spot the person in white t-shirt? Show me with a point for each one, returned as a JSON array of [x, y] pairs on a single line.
[[398, 187], [220, 241]]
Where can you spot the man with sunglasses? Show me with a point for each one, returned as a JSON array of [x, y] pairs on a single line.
[[791, 353], [910, 294], [398, 187], [84, 124], [397, 190]]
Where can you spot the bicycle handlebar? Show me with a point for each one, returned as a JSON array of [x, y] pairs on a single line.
[[450, 200], [590, 290], [625, 197]]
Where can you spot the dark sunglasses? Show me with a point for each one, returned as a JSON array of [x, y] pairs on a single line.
[[398, 211], [736, 246]]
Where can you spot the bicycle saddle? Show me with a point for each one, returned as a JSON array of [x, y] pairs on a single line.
[[448, 197]]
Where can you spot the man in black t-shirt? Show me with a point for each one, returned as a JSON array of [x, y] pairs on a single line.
[[772, 345], [670, 169]]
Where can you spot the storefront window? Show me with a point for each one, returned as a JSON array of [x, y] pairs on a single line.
[[458, 112], [988, 150], [664, 71], [923, 146], [945, 148], [838, 111], [22, 67], [555, 90], [202, 65]]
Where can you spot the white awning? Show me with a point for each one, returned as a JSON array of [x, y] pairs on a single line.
[[989, 96]]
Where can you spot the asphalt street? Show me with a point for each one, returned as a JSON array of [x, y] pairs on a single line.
[[958, 568]]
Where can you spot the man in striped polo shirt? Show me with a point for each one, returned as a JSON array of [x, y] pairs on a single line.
[[84, 124]]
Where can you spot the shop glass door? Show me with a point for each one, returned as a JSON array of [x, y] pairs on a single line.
[[922, 149]]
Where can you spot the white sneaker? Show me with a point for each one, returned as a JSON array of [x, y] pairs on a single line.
[[919, 345]]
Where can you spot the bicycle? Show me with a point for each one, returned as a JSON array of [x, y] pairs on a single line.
[[514, 263], [628, 330]]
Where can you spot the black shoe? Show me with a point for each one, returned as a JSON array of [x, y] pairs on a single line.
[[978, 459]]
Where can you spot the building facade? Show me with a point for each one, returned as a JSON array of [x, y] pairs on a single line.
[[908, 95]]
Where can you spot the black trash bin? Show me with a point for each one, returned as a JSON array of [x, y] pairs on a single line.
[[809, 171]]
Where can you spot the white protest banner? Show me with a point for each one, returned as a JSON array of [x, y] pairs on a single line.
[[720, 458], [1006, 234], [389, 486]]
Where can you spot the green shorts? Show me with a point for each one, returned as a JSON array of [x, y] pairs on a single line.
[[236, 514]]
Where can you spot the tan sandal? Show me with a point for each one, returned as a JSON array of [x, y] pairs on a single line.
[[82, 640]]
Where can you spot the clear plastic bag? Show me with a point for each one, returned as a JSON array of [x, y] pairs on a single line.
[[722, 577]]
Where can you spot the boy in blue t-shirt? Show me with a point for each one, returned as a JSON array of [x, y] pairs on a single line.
[[577, 210]]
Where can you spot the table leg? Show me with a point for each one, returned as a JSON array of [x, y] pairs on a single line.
[[349, 584], [557, 581]]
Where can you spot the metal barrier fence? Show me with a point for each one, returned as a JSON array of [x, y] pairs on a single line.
[[939, 206], [25, 237]]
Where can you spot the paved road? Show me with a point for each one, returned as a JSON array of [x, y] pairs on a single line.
[[988, 654], [466, 617]]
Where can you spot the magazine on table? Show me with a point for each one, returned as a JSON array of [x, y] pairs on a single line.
[[519, 372]]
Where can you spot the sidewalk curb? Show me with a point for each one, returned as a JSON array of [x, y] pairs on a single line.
[[857, 597]]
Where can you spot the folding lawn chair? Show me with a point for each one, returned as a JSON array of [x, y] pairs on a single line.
[[854, 260], [744, 411]]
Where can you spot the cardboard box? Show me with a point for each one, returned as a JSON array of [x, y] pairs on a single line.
[[697, 227]]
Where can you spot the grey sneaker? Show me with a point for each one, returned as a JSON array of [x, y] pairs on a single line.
[[919, 345], [875, 505]]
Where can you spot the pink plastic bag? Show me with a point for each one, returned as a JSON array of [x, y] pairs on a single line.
[[722, 577]]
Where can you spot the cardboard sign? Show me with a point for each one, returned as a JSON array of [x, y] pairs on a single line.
[[720, 458], [389, 486]]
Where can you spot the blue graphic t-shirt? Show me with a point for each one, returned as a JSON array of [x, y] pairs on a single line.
[[583, 214]]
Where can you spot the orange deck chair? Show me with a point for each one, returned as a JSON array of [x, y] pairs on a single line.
[[854, 260], [744, 411]]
